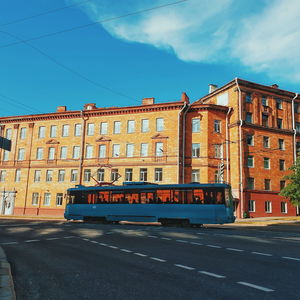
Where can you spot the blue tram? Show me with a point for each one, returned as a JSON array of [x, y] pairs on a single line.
[[192, 203]]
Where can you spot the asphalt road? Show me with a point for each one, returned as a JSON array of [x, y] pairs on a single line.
[[59, 260]]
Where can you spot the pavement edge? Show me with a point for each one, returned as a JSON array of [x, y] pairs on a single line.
[[7, 291]]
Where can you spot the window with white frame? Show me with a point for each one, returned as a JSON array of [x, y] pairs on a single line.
[[90, 129], [251, 205], [281, 164], [196, 125], [250, 183], [8, 133], [114, 176], [63, 152], [144, 149], [117, 127], [267, 183], [196, 150], [159, 149], [217, 126], [266, 142], [65, 130], [74, 175], [266, 163], [89, 151], [264, 101], [42, 131], [159, 124], [129, 150], [279, 123], [39, 153], [51, 153], [218, 151], [130, 126], [265, 120], [23, 133], [143, 174], [297, 126], [53, 131], [18, 175], [250, 139], [250, 161], [21, 154], [268, 206], [116, 150], [278, 103], [103, 128], [145, 125], [100, 175], [128, 174], [47, 199], [37, 175], [2, 175], [195, 175], [158, 174], [283, 207], [61, 175], [249, 117], [87, 175], [102, 151], [217, 177], [5, 155], [281, 145], [59, 199], [35, 199], [77, 130], [49, 175], [248, 97], [76, 152]]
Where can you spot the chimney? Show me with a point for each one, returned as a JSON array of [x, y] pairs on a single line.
[[185, 98], [148, 101], [89, 106], [61, 109], [212, 88], [275, 86]]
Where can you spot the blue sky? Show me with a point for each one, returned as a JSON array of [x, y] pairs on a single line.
[[159, 53]]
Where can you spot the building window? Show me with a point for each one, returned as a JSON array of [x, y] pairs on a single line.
[[53, 131], [129, 150], [47, 199], [279, 123], [266, 163], [250, 183], [265, 119], [103, 128], [8, 133], [278, 103], [77, 130], [217, 177], [251, 206], [282, 184], [49, 175], [2, 175], [248, 98], [249, 117], [283, 207], [298, 148], [196, 125], [143, 174], [18, 175], [23, 133], [42, 130], [267, 184], [250, 161], [63, 152], [144, 149], [114, 176], [218, 151], [297, 108], [21, 154], [87, 175], [102, 151], [89, 151], [51, 153], [61, 175], [116, 150], [39, 153], [195, 175], [90, 129], [76, 152], [298, 126], [159, 124], [65, 130], [117, 127], [128, 174], [158, 174], [100, 175], [59, 199], [268, 206], [145, 125], [195, 150], [35, 199], [5, 155], [217, 126], [266, 142], [250, 140], [74, 175], [159, 150], [130, 126], [281, 144], [281, 164], [264, 101], [37, 176]]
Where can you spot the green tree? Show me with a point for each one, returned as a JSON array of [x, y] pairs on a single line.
[[292, 189]]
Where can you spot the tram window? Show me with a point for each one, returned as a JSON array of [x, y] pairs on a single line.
[[198, 197]]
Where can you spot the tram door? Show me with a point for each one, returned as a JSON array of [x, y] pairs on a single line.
[[7, 202]]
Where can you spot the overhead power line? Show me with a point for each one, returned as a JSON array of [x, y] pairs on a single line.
[[93, 23]]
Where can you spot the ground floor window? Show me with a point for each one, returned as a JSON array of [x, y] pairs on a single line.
[[251, 205], [158, 174], [35, 199], [47, 199], [283, 206], [268, 206], [59, 199]]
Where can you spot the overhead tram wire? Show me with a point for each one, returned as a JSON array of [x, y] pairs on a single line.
[[93, 23], [43, 13]]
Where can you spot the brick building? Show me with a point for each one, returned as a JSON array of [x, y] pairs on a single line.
[[250, 130]]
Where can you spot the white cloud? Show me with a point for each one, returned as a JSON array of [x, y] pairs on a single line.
[[262, 35]]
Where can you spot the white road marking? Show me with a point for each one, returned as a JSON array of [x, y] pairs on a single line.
[[158, 259], [201, 233], [113, 247], [95, 242], [213, 246], [164, 238], [29, 241], [184, 267], [126, 250], [234, 249], [103, 244], [69, 237], [195, 243], [9, 243], [140, 254], [255, 286], [263, 254], [85, 239], [181, 241], [212, 274], [153, 236], [52, 239], [291, 258]]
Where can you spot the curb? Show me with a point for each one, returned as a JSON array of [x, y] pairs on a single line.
[[7, 291]]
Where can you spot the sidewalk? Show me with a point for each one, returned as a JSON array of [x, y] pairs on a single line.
[[7, 291]]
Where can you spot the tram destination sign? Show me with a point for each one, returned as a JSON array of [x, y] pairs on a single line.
[[5, 143]]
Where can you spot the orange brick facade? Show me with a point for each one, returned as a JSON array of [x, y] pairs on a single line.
[[174, 142]]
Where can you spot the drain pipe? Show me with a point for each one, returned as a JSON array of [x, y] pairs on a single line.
[[294, 127], [183, 135], [84, 119], [240, 149], [227, 146]]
